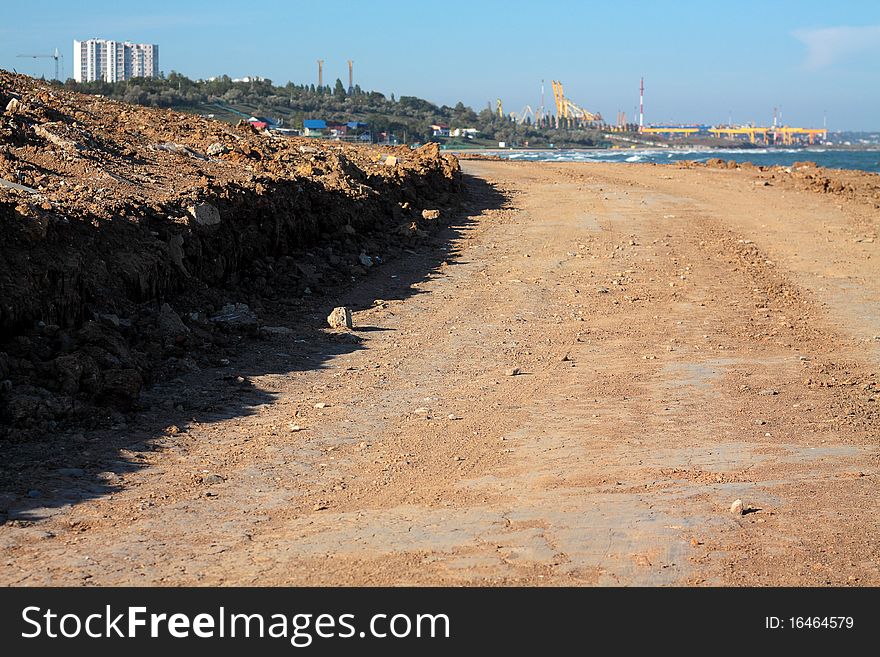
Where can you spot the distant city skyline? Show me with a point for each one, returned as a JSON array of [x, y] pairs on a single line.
[[702, 63]]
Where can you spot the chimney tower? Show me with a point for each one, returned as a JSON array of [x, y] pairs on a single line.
[[641, 104]]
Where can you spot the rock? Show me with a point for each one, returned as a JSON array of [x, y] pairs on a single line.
[[513, 371], [13, 106], [169, 322], [178, 149], [69, 370], [211, 479], [348, 229], [204, 214], [768, 392], [48, 135], [310, 272], [737, 507], [121, 386], [452, 416], [34, 493], [365, 260], [106, 338], [319, 507], [430, 214], [217, 148], [294, 428], [391, 161], [340, 318], [236, 315], [603, 290], [321, 405], [177, 254], [110, 320], [70, 472], [407, 229]]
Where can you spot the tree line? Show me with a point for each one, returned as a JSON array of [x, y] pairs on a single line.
[[408, 117]]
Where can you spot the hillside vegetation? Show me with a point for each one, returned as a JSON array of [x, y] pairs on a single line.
[[407, 117]]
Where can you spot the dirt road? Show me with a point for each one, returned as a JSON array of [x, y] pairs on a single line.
[[681, 338]]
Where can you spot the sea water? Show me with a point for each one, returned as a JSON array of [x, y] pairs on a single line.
[[867, 160]]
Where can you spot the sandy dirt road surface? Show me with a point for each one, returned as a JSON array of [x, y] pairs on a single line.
[[682, 338]]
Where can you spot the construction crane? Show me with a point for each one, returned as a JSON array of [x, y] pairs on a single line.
[[57, 57], [566, 109], [500, 108], [350, 76], [320, 73]]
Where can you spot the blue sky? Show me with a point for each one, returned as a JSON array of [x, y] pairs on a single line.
[[702, 61]]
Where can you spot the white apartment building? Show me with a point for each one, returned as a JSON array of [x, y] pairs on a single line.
[[114, 61]]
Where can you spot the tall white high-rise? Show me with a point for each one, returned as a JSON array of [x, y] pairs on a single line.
[[114, 61]]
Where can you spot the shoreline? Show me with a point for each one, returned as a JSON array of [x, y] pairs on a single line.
[[867, 161]]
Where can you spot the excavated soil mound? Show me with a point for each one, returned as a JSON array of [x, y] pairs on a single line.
[[133, 240]]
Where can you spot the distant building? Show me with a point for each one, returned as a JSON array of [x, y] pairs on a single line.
[[337, 129], [263, 123], [440, 130], [314, 127], [470, 133], [114, 61]]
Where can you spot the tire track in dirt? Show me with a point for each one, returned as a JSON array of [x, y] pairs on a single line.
[[671, 357]]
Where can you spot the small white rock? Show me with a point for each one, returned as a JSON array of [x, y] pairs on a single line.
[[340, 318], [737, 507]]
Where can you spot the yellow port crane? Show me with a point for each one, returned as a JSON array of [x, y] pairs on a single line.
[[500, 108], [566, 109], [786, 134]]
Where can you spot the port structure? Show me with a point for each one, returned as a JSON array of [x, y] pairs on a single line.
[[567, 111], [672, 131], [524, 115], [786, 135]]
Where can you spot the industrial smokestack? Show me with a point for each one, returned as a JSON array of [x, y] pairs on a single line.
[[641, 103]]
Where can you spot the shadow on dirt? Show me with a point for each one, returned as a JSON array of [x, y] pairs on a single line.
[[43, 477]]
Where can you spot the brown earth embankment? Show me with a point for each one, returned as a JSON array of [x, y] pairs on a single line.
[[131, 237]]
